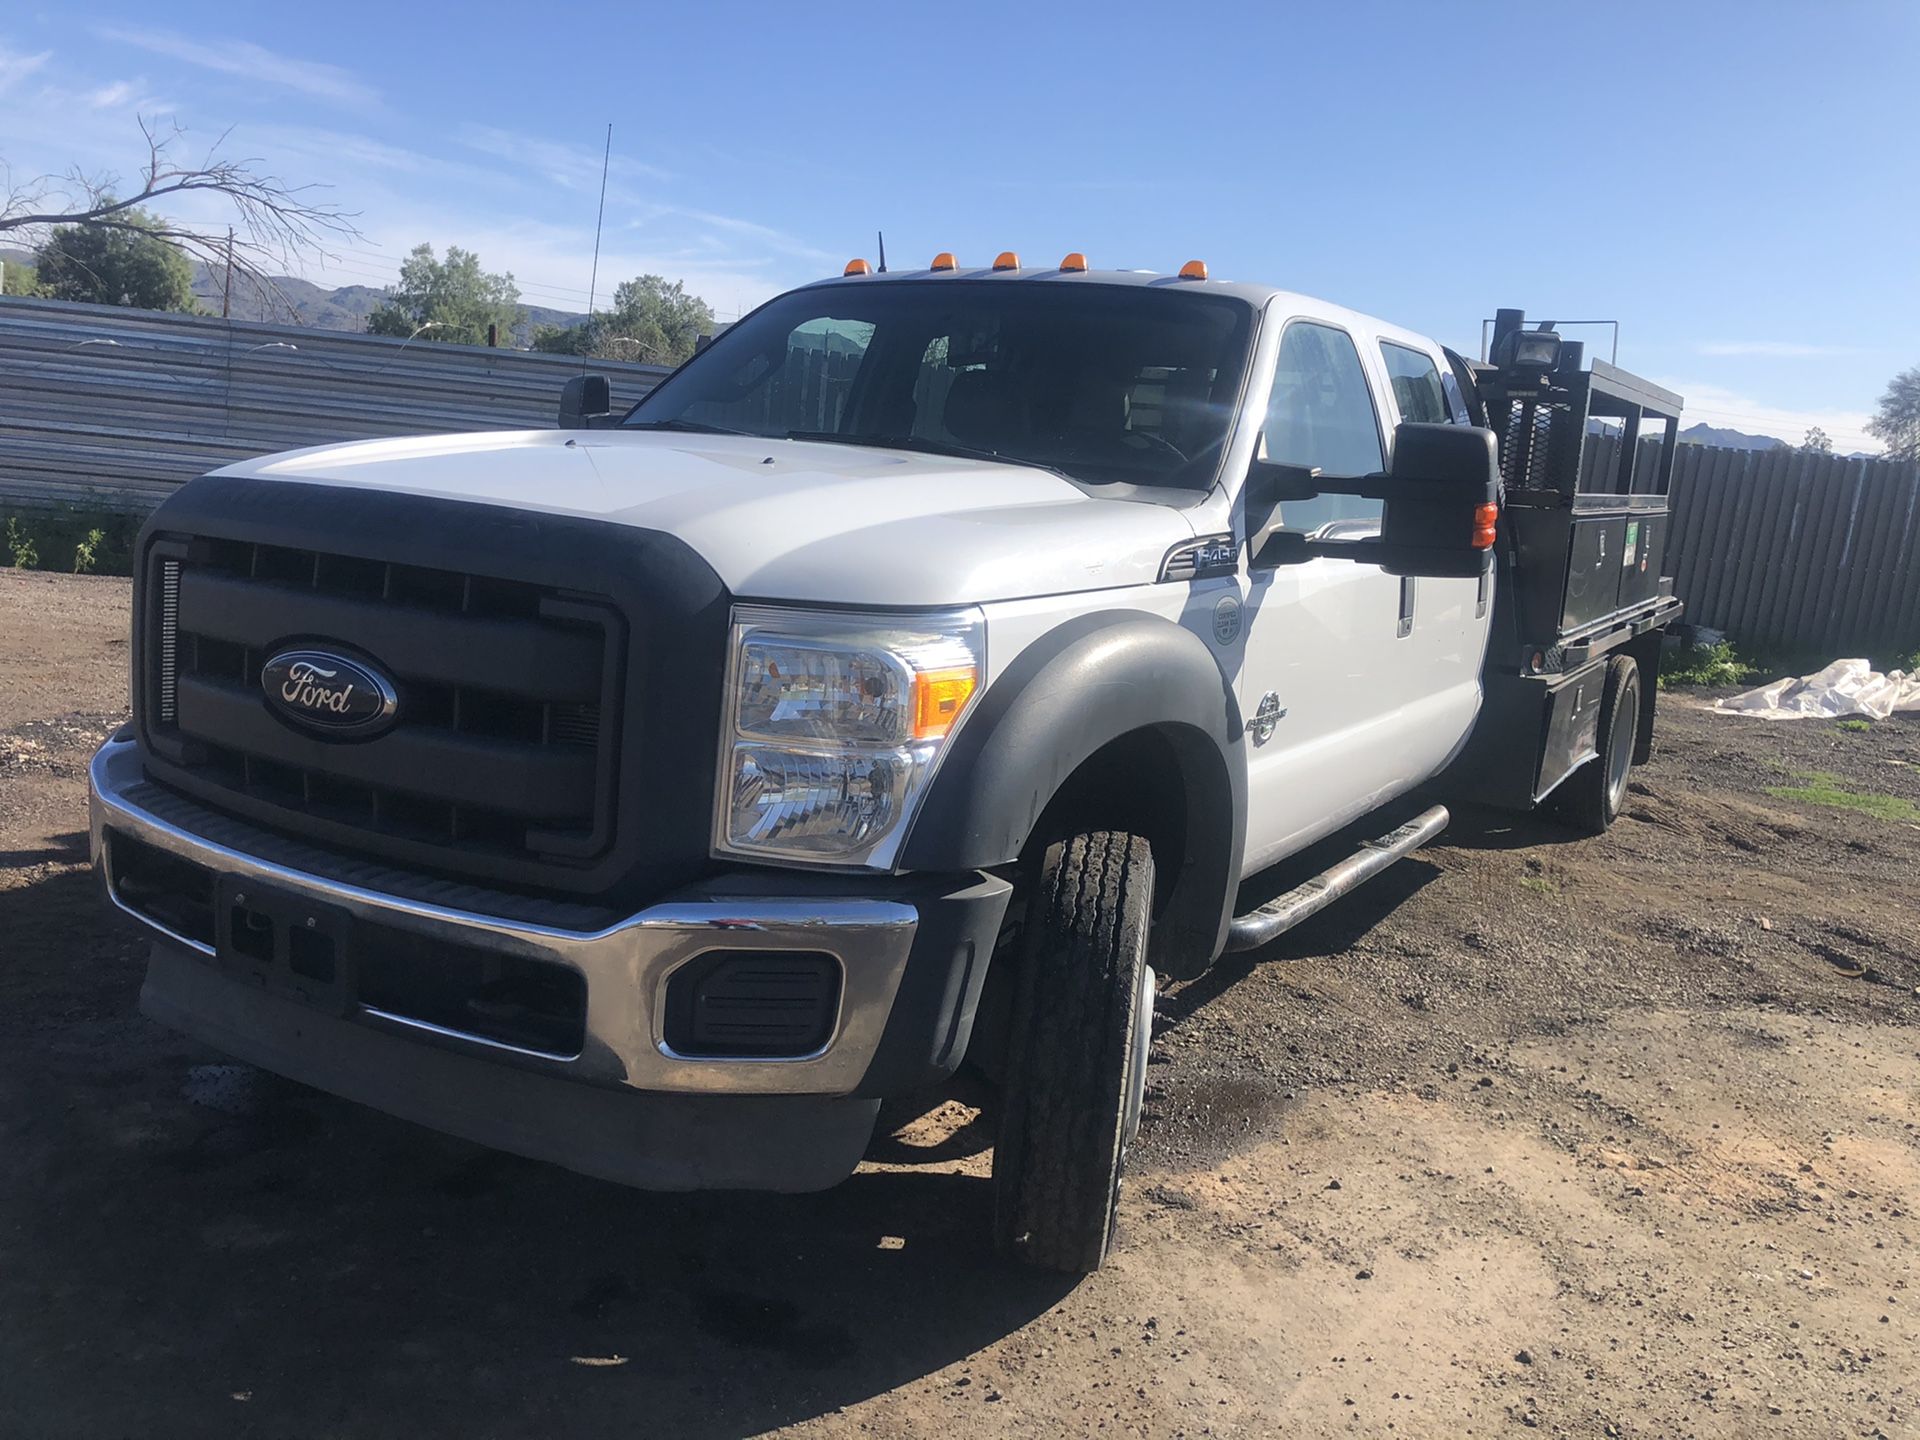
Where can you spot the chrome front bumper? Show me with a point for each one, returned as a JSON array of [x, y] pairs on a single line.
[[626, 966]]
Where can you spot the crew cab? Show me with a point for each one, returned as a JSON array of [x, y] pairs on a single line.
[[911, 678]]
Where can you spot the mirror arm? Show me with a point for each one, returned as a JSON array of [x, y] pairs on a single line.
[[1280, 483], [1272, 482], [1288, 547]]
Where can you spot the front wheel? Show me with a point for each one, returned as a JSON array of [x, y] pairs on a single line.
[[1591, 798], [1077, 1068]]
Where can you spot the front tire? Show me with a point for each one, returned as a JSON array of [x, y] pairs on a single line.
[[1591, 798], [1082, 1017]]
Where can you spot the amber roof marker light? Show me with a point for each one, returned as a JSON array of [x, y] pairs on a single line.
[[1075, 262], [944, 261], [1006, 260], [1194, 270], [857, 267]]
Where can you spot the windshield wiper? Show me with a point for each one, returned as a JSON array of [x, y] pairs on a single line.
[[691, 427], [926, 447]]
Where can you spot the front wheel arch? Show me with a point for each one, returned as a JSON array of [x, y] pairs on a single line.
[[1115, 718]]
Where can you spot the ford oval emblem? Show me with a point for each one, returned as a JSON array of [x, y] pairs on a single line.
[[321, 691]]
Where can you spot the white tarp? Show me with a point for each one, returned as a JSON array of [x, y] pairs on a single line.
[[1846, 687]]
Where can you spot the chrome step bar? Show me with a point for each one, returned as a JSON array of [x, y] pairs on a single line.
[[1280, 914]]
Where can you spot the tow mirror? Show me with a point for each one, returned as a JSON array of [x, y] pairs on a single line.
[[1442, 501], [1268, 486], [584, 400]]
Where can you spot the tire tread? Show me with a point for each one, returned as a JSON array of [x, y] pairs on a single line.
[[1058, 1155], [1582, 799]]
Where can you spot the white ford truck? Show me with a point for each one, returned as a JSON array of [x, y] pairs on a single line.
[[911, 677]]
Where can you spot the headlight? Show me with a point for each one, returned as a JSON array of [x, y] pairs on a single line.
[[834, 725]]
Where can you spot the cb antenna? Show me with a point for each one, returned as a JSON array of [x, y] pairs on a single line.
[[593, 276], [881, 236]]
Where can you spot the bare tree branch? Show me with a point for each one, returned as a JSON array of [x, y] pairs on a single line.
[[276, 224]]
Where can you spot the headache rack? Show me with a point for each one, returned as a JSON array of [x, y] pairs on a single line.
[[1587, 460]]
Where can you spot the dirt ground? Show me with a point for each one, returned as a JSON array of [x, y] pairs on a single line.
[[1587, 1137]]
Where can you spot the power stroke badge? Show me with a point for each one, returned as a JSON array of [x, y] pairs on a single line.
[[1226, 620], [328, 693]]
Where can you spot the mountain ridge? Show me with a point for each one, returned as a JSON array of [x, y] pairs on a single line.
[[1701, 433], [301, 302]]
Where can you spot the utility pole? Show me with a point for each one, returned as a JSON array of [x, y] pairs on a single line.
[[226, 292]]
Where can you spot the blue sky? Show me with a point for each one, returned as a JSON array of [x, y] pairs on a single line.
[[1738, 184]]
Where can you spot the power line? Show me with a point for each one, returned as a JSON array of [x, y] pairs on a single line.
[[544, 292], [387, 258]]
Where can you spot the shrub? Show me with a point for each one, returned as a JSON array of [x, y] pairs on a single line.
[[86, 553], [26, 555], [86, 542], [1703, 665]]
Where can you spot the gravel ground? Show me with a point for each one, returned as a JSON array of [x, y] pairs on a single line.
[[1579, 1137]]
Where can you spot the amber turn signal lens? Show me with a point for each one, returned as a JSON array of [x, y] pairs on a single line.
[[1007, 260], [1486, 526], [944, 261], [938, 698], [857, 267]]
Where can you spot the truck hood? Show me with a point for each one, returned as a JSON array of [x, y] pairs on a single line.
[[786, 519]]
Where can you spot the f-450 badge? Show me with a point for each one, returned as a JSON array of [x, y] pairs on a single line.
[[1202, 558]]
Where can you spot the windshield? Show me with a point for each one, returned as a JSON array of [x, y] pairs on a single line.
[[1106, 384]]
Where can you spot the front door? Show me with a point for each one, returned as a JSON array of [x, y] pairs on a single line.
[[1353, 681]]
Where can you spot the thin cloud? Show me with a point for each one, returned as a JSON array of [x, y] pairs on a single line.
[[106, 97], [764, 237], [233, 56], [1729, 410], [574, 167], [359, 152], [15, 67], [1773, 349]]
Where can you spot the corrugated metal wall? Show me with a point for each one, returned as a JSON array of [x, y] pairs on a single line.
[[110, 408], [1803, 551]]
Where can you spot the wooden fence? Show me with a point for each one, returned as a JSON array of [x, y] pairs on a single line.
[[109, 408]]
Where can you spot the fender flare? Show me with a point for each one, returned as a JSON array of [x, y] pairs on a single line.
[[1078, 688]]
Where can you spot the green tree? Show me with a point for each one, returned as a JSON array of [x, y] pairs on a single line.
[[1817, 442], [122, 264], [451, 300], [20, 279], [653, 320], [1897, 426]]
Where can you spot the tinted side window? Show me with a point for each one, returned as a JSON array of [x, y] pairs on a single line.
[[1416, 385], [1321, 415], [802, 386]]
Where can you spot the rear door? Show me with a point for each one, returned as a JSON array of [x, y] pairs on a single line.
[[1445, 622]]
